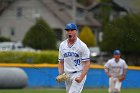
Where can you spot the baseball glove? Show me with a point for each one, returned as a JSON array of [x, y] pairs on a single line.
[[61, 78], [121, 78]]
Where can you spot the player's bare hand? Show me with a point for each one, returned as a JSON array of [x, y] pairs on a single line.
[[78, 79], [121, 78], [109, 75]]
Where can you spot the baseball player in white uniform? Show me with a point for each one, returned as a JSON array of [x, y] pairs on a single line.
[[115, 69], [74, 60]]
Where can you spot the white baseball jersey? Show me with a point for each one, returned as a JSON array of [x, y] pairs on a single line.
[[74, 55], [116, 68]]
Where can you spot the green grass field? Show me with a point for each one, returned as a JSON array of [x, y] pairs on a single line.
[[63, 91]]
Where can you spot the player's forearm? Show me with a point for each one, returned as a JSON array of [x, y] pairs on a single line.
[[106, 70], [124, 72], [61, 67], [86, 66]]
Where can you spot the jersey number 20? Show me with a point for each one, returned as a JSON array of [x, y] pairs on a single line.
[[77, 62]]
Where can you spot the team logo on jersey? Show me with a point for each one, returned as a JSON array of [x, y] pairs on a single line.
[[116, 67], [71, 54]]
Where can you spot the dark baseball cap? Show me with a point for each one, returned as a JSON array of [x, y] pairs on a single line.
[[116, 52]]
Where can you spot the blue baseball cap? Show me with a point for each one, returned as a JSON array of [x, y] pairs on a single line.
[[116, 52], [71, 26]]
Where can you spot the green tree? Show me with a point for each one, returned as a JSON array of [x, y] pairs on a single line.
[[87, 36], [106, 0], [85, 2], [123, 33], [4, 39], [81, 2], [40, 36]]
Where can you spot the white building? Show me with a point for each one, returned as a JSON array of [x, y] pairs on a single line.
[[16, 20], [20, 16]]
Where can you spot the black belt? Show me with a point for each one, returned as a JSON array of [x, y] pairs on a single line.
[[75, 72]]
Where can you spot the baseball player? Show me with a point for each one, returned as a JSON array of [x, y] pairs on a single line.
[[115, 69], [74, 60]]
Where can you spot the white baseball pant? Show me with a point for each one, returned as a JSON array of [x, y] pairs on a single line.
[[114, 85], [72, 86]]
